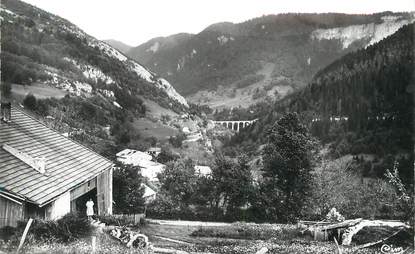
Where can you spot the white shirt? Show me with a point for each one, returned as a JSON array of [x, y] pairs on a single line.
[[90, 208]]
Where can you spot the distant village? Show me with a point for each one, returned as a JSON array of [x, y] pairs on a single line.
[[149, 168]]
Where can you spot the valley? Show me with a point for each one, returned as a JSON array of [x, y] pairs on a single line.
[[227, 64], [286, 133]]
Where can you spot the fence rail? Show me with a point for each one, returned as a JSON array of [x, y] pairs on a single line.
[[132, 218]]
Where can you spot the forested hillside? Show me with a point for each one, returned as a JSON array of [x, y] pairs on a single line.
[[360, 104]]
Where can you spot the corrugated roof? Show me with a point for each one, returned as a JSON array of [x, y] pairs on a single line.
[[68, 163]]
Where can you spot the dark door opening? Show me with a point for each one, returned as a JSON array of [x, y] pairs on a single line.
[[79, 205]]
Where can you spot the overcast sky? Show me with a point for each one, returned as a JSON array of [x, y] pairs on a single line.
[[137, 21]]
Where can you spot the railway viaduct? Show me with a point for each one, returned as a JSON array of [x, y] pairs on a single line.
[[235, 125]]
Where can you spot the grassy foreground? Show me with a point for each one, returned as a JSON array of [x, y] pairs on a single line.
[[243, 238], [236, 238]]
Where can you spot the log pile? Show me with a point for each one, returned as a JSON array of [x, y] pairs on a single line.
[[130, 238]]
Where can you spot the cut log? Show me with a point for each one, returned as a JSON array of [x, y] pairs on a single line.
[[263, 250], [351, 231], [377, 242]]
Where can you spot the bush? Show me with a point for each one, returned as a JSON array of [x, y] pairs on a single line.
[[42, 107], [30, 102], [248, 231], [69, 228]]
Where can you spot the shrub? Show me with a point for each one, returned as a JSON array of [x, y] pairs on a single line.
[[248, 231], [42, 107], [69, 228], [30, 101]]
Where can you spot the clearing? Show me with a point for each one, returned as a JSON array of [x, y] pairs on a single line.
[[39, 90], [148, 128]]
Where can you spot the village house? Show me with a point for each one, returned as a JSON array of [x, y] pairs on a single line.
[[203, 170], [154, 151], [46, 175], [143, 161]]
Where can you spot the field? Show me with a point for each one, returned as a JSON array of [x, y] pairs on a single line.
[[39, 90], [148, 129]]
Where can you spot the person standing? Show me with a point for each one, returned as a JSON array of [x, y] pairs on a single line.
[[89, 209]]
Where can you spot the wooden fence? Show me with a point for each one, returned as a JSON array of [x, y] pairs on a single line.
[[131, 218]]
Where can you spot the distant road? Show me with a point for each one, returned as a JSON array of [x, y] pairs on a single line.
[[188, 223]]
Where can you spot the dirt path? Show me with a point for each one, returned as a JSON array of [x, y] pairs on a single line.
[[189, 223], [172, 240]]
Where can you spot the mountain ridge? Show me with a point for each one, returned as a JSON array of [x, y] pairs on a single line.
[[232, 56], [119, 45]]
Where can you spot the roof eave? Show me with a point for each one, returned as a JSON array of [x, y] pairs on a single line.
[[85, 181]]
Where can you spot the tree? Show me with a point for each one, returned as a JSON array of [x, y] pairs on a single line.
[[166, 155], [87, 111], [231, 183], [339, 184], [405, 197], [30, 102], [128, 190], [179, 181], [177, 141], [287, 166]]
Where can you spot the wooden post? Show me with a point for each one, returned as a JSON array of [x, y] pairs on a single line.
[[337, 246], [24, 234], [94, 244]]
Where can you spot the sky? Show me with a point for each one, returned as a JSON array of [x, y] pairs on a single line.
[[137, 21]]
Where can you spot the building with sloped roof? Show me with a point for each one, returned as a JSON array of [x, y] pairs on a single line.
[[43, 174], [143, 161]]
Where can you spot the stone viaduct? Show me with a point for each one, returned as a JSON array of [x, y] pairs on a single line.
[[235, 125]]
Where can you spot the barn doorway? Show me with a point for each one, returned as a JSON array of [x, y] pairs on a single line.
[[78, 205]]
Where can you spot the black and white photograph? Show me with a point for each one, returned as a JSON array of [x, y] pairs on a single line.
[[204, 127]]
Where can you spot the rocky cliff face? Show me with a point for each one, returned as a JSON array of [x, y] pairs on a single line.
[[39, 47], [369, 33]]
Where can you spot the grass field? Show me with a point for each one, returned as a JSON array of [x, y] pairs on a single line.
[[148, 129], [39, 90]]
